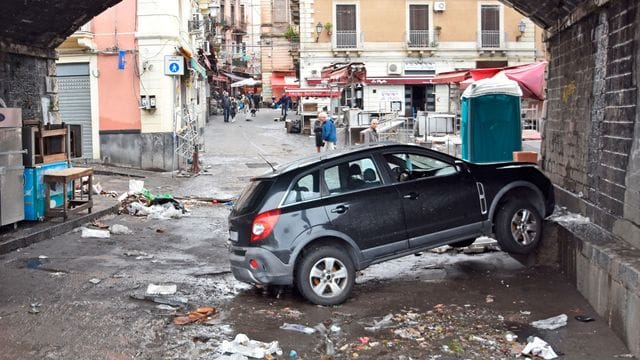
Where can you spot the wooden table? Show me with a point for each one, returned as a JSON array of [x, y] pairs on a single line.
[[74, 204]]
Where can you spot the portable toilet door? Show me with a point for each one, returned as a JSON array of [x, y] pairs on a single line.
[[491, 128]]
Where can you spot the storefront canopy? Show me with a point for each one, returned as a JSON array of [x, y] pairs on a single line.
[[345, 73], [245, 82], [313, 92], [529, 77]]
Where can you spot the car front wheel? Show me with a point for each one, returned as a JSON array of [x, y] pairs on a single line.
[[518, 227], [325, 275]]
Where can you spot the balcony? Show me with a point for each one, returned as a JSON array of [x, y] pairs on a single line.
[[347, 40], [422, 39], [489, 39]]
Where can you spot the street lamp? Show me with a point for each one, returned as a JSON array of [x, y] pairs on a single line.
[[522, 26], [319, 27]]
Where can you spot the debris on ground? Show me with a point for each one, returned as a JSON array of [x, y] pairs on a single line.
[[35, 308], [199, 315], [177, 301], [97, 189], [118, 229], [95, 281], [93, 233], [584, 318], [551, 323], [153, 289], [99, 225], [139, 255], [489, 299], [242, 345], [540, 348], [298, 328], [160, 230], [135, 186], [385, 322]]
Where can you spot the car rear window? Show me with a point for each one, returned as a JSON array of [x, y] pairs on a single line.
[[251, 196]]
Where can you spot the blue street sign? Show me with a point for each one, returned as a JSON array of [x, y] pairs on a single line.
[[121, 60], [174, 68], [173, 65]]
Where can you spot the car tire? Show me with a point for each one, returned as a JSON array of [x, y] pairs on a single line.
[[463, 243], [518, 227], [324, 286]]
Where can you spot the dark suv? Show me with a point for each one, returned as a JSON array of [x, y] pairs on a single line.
[[314, 222]]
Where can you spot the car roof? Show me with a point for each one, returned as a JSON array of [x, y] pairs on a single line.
[[316, 159]]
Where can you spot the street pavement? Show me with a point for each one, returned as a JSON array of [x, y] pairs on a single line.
[[448, 305]]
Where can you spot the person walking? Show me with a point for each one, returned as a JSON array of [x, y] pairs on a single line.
[[234, 109], [371, 134], [284, 103], [317, 130], [226, 106], [328, 131]]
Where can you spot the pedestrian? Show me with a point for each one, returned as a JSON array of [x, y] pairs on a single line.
[[371, 134], [226, 106], [234, 109], [256, 101], [284, 105], [317, 130], [328, 131]]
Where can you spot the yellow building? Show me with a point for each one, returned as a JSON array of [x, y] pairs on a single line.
[[405, 44]]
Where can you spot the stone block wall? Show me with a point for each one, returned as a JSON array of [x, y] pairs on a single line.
[[23, 81], [591, 146]]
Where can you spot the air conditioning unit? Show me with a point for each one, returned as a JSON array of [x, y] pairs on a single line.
[[439, 6], [206, 48], [394, 68]]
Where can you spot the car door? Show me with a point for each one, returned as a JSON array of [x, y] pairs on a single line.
[[436, 194], [360, 205]]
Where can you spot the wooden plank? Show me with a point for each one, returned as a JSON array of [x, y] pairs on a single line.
[[56, 132], [45, 159], [70, 173]]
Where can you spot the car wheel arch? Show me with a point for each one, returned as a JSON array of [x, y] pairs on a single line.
[[517, 189], [324, 240]]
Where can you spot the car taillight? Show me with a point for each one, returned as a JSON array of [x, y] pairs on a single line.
[[263, 224]]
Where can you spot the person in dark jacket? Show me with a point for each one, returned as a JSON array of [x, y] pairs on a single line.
[[317, 130], [226, 106]]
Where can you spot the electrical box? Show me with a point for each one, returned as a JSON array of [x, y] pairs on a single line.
[[152, 101], [144, 102]]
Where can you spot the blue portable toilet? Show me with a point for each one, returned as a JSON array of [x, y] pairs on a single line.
[[491, 128]]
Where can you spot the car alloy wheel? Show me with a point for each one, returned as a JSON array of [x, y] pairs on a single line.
[[328, 277], [325, 275], [524, 227]]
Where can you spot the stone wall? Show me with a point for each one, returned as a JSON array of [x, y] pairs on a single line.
[[149, 151], [591, 149], [23, 84]]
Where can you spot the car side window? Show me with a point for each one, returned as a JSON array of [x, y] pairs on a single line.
[[410, 166], [306, 188], [351, 175]]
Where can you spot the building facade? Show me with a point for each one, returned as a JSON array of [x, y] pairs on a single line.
[[114, 81], [404, 44]]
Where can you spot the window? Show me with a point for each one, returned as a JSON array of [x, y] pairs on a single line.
[[406, 167], [490, 25], [419, 25], [346, 30], [352, 175], [233, 14], [280, 11], [306, 188]]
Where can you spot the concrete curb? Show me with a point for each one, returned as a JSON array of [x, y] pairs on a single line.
[[55, 229]]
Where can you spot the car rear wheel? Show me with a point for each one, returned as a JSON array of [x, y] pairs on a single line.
[[518, 227], [325, 275]]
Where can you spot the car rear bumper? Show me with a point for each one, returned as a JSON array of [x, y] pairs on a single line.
[[270, 271]]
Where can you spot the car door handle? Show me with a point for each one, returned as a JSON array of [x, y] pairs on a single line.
[[341, 209], [411, 196]]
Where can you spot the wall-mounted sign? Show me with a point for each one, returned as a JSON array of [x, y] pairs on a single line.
[[419, 68], [121, 59], [173, 65]]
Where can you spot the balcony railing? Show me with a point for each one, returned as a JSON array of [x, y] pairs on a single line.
[[348, 39], [422, 39], [489, 39]]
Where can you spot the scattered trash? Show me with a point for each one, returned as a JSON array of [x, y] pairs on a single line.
[[153, 289], [292, 354], [291, 312], [551, 323], [161, 230], [510, 336], [92, 233], [298, 328], [135, 253], [95, 281], [97, 189], [118, 229], [335, 329], [145, 257], [584, 318], [540, 348], [43, 257], [364, 340], [525, 313], [489, 299], [171, 300], [135, 186], [99, 225], [381, 324], [408, 333], [441, 249], [624, 356], [35, 308], [244, 346], [165, 307], [199, 315]]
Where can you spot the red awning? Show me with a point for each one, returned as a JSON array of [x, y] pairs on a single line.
[[314, 80], [313, 92], [450, 77], [345, 73], [479, 74], [530, 78], [399, 80]]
